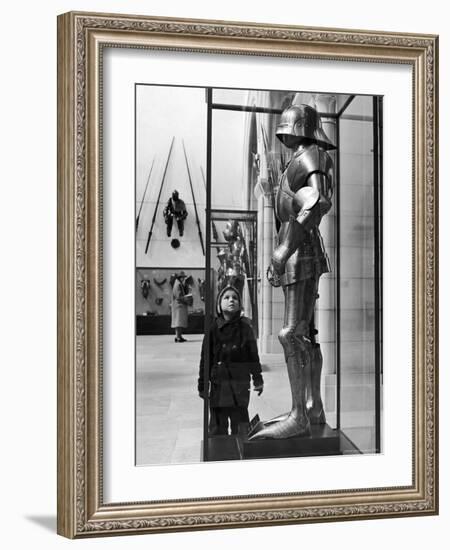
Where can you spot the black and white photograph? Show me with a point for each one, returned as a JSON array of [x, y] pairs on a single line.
[[258, 274], [247, 274], [225, 232]]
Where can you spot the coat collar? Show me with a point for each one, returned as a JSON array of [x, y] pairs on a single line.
[[221, 321]]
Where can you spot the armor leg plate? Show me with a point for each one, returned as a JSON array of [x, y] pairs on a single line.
[[298, 349]]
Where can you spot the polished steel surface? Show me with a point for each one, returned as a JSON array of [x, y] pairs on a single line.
[[303, 198], [302, 121]]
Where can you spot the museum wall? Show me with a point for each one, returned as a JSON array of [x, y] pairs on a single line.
[[28, 275], [164, 114]]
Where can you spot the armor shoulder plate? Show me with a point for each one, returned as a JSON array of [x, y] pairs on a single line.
[[316, 159], [310, 160]]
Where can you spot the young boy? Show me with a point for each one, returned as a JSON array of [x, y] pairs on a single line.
[[233, 359]]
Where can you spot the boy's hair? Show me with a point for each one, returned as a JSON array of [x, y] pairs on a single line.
[[220, 296]]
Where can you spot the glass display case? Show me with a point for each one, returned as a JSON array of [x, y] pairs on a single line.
[[246, 163], [281, 196]]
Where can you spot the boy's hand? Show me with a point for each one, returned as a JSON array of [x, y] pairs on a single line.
[[259, 388]]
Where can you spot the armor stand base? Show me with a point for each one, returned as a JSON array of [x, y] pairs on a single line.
[[321, 441]]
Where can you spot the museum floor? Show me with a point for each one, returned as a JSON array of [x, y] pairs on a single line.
[[169, 413]]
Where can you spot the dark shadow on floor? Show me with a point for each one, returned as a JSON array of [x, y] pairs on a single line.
[[47, 522]]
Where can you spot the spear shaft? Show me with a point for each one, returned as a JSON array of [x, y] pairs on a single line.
[[159, 196], [271, 169], [145, 192], [193, 199]]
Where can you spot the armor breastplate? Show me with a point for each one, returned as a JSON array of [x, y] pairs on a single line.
[[306, 161], [310, 259]]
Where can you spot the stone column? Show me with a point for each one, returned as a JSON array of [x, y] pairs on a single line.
[[266, 246], [326, 305]]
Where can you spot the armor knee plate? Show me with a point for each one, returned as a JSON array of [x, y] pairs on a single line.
[[292, 341], [287, 340], [295, 345]]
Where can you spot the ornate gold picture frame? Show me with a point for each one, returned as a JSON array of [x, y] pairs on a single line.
[[82, 508]]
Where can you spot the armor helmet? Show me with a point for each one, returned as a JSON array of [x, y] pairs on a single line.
[[303, 121], [175, 195], [231, 230]]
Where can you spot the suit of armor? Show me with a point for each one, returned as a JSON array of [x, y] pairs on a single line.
[[232, 258], [303, 198], [175, 208]]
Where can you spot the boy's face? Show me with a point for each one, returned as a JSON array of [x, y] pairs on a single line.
[[229, 302]]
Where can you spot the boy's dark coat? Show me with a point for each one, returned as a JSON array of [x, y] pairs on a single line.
[[233, 359]]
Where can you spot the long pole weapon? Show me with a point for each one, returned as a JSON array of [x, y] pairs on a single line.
[[193, 198], [273, 173], [271, 167], [145, 192], [159, 196]]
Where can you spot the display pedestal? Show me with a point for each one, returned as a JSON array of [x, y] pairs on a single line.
[[323, 441], [223, 447]]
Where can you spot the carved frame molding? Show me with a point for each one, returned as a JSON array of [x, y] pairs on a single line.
[[81, 37]]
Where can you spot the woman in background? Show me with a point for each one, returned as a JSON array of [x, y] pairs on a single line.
[[180, 302]]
